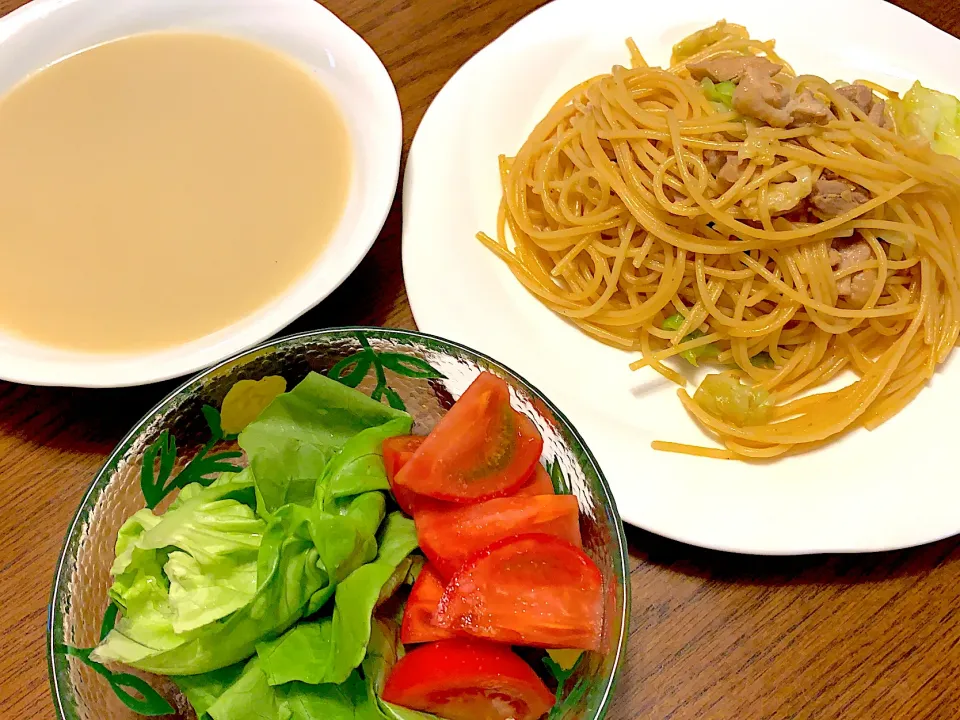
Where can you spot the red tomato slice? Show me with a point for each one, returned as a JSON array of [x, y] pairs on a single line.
[[451, 535], [527, 590], [539, 484], [419, 624], [467, 679], [481, 449], [397, 451]]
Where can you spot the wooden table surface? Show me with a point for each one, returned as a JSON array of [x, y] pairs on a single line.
[[713, 636]]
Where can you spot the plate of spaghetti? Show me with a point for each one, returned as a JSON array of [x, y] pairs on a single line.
[[731, 254]]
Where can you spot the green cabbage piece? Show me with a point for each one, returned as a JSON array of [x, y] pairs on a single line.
[[719, 93], [693, 355], [702, 39], [931, 115], [724, 396], [763, 360]]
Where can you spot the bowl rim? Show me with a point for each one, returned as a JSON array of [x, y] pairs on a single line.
[[621, 559], [372, 191]]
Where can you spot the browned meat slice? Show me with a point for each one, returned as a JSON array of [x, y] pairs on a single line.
[[715, 160], [806, 109], [877, 115], [846, 254], [726, 166], [758, 95], [732, 67], [863, 98], [833, 195], [859, 95], [731, 171]]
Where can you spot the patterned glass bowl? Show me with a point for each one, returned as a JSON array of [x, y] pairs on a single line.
[[369, 358]]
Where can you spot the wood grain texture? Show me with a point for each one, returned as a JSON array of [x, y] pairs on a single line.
[[714, 636]]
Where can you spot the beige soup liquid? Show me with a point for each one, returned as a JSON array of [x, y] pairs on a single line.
[[158, 188]]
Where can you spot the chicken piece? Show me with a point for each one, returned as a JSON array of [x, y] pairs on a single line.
[[878, 115], [726, 166], [807, 109], [714, 160], [845, 254], [724, 68], [859, 95], [731, 171], [832, 195], [759, 96], [863, 98]]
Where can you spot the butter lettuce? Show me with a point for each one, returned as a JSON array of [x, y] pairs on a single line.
[[358, 467], [239, 563], [166, 594], [328, 650], [202, 691], [292, 441], [251, 697], [288, 575], [384, 650]]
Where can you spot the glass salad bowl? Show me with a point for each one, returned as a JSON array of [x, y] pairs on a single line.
[[418, 373]]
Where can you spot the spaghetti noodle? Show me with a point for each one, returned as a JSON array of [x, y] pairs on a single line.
[[774, 224]]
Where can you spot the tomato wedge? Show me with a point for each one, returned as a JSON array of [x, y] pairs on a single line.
[[466, 679], [481, 449], [451, 535], [539, 484], [527, 590], [397, 451], [419, 624]]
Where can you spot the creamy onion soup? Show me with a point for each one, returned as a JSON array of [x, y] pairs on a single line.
[[160, 187]]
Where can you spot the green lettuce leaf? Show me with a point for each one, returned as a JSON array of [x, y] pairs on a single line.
[[303, 554], [383, 652], [358, 467], [328, 650], [289, 574], [296, 436], [203, 584], [199, 597], [188, 567], [346, 538], [204, 690], [251, 697]]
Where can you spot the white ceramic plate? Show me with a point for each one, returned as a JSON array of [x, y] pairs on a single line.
[[895, 487], [46, 30]]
